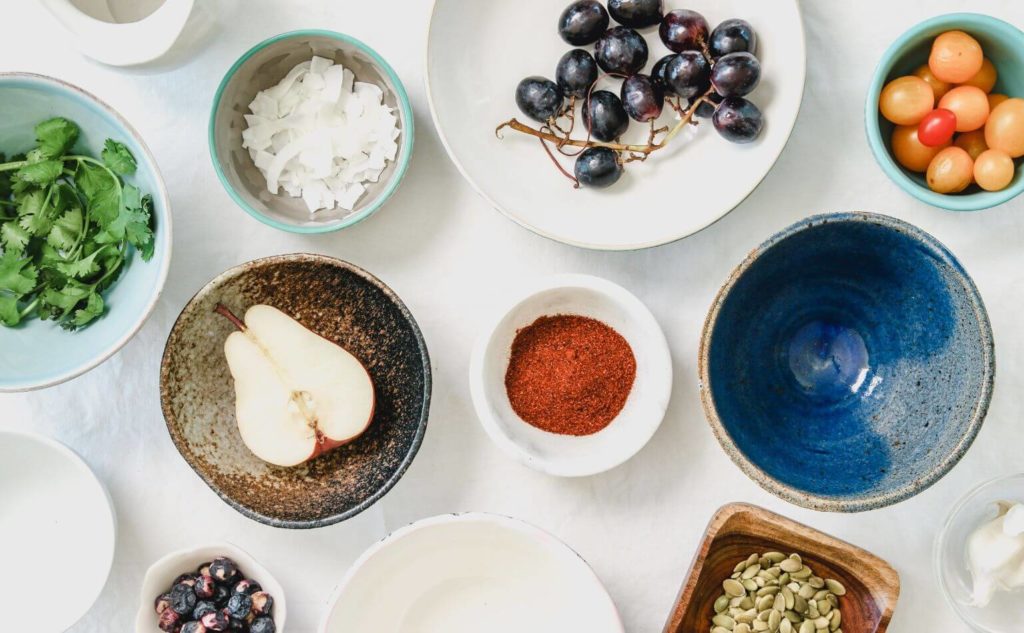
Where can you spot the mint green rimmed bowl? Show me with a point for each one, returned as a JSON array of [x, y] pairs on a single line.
[[1003, 43], [265, 65]]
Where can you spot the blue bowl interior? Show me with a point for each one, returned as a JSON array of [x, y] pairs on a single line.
[[1002, 43], [849, 360], [38, 353]]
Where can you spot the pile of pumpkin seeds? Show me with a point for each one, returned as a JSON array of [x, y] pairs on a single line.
[[777, 594]]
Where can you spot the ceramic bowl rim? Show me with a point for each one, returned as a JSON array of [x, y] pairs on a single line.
[[938, 557], [165, 229], [877, 500], [237, 554], [80, 463], [532, 531], [639, 313], [976, 201], [404, 152], [432, 106], [421, 427]]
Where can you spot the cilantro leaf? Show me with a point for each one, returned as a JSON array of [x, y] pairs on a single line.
[[131, 223], [55, 137], [117, 157], [92, 309], [80, 268], [9, 313], [17, 274], [66, 230], [14, 237], [65, 299], [35, 213], [100, 190], [41, 173]]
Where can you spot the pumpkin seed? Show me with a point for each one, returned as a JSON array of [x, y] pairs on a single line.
[[807, 627], [785, 626], [741, 628], [733, 588], [835, 587], [721, 604], [790, 566], [774, 620]]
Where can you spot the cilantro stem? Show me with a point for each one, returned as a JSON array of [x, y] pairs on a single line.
[[100, 164], [12, 166], [29, 308]]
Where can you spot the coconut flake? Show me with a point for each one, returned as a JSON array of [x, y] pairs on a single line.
[[321, 135]]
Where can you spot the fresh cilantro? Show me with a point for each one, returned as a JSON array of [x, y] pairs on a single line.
[[117, 157], [67, 224]]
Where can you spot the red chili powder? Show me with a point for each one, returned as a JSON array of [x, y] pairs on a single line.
[[569, 374]]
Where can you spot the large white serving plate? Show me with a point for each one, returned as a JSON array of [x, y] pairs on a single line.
[[477, 51], [468, 573], [56, 534]]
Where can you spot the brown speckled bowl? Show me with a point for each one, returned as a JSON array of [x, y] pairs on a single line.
[[342, 303]]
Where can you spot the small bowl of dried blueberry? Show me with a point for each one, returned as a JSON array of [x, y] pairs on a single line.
[[210, 589]]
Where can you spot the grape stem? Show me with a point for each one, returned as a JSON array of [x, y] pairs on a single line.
[[651, 146]]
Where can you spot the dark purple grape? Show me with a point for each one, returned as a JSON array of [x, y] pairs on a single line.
[[738, 120], [605, 116], [658, 71], [636, 14], [705, 110], [539, 98], [684, 30], [598, 167], [576, 73], [732, 36], [688, 74], [735, 74], [642, 98], [583, 22], [621, 51]]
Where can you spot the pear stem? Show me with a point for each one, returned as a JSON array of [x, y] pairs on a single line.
[[222, 310]]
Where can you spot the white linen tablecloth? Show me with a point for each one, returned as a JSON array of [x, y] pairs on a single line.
[[451, 258]]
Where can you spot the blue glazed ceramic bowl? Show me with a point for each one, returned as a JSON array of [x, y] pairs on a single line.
[[1003, 44], [263, 66], [39, 353], [847, 364]]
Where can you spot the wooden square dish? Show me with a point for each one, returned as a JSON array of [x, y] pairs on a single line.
[[738, 530]]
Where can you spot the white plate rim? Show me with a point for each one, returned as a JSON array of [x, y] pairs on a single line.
[[802, 68], [81, 465], [518, 525]]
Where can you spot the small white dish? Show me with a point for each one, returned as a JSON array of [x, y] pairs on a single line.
[[57, 530], [162, 573], [466, 573], [568, 455], [679, 191]]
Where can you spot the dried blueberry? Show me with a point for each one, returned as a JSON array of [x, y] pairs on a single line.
[[239, 605], [169, 621], [161, 603], [238, 625], [248, 587], [193, 627], [185, 579], [183, 599], [205, 586], [204, 569], [262, 603], [263, 625], [202, 608], [221, 595], [217, 621], [223, 569]]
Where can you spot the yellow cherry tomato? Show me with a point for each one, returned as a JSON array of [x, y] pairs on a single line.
[[906, 100], [911, 152], [955, 57], [950, 171], [969, 104], [1005, 128], [984, 78], [972, 142], [939, 87], [995, 99], [993, 170]]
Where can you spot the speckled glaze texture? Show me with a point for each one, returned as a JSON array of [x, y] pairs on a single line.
[[848, 363], [342, 303]]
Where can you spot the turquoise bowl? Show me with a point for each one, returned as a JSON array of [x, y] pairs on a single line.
[[263, 66], [38, 353], [1003, 43]]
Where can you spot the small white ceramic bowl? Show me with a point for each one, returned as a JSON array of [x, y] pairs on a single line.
[[471, 572], [162, 573], [566, 455]]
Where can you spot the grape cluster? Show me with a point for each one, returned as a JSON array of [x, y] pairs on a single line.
[[711, 70]]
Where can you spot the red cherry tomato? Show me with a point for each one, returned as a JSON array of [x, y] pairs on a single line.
[[937, 127]]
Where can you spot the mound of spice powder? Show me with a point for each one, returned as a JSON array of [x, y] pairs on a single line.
[[569, 374]]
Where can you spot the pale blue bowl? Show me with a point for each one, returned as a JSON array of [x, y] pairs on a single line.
[[38, 353], [1003, 43]]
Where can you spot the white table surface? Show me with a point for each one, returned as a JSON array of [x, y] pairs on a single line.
[[451, 258]]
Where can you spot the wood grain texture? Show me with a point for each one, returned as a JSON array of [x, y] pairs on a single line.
[[738, 530]]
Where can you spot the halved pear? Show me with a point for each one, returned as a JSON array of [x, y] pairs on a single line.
[[297, 394]]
